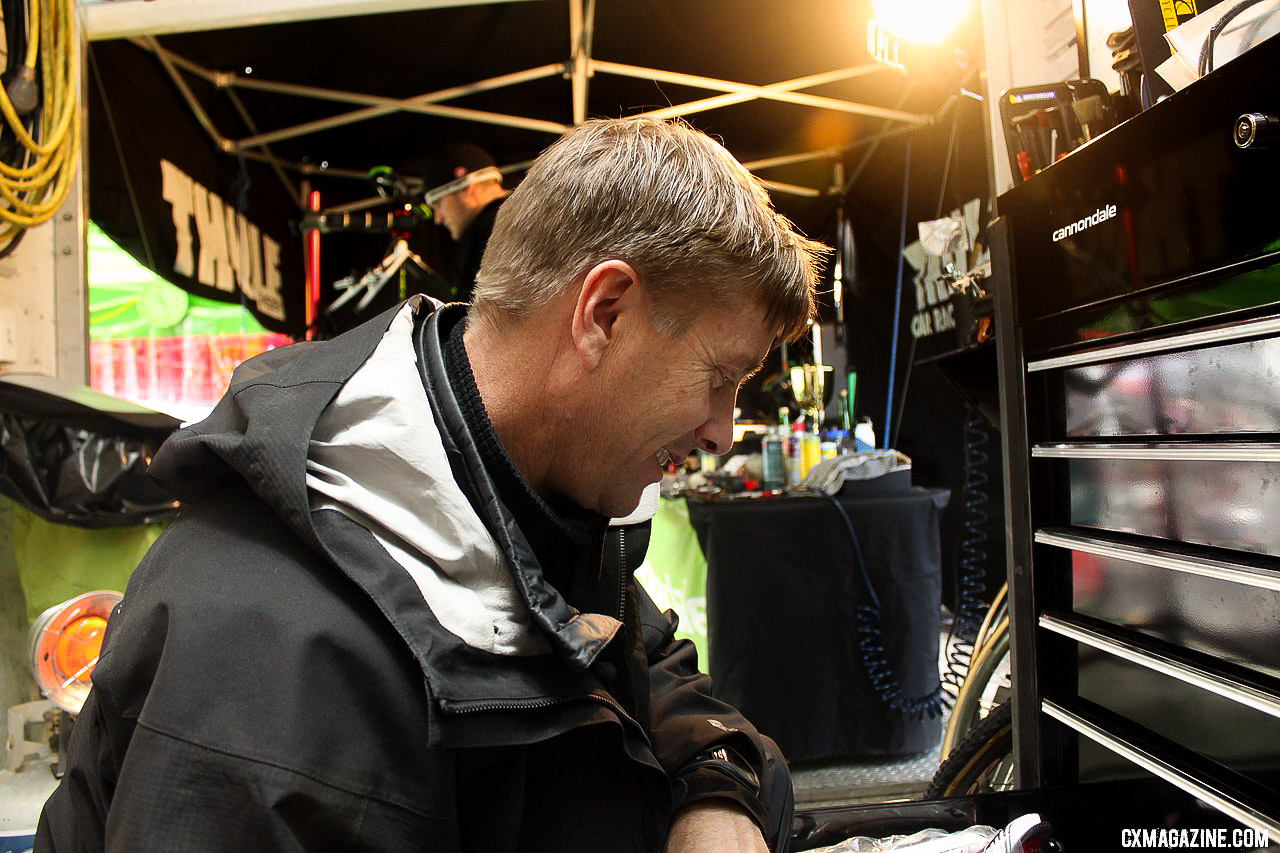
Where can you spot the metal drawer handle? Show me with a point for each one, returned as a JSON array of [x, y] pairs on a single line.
[[1244, 694], [1215, 569], [1152, 763], [1161, 452], [1256, 328]]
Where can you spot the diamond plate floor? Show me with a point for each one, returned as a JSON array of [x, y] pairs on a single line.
[[844, 782]]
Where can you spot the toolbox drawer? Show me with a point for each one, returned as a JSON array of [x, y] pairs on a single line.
[[1190, 598], [1229, 388], [1207, 721], [1226, 496]]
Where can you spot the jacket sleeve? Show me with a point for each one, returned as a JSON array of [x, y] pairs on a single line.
[[75, 815], [242, 703], [689, 726]]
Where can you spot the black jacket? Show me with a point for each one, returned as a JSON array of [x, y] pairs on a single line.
[[470, 248], [275, 680]]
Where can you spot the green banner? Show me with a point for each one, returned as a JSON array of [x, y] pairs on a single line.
[[674, 573]]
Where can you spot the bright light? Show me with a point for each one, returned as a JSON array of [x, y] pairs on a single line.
[[927, 21], [1109, 16]]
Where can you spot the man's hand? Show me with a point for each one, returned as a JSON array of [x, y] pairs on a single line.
[[714, 826]]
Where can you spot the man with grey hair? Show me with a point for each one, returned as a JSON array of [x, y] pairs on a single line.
[[396, 613]]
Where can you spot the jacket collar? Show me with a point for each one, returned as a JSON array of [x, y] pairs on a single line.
[[260, 431], [575, 636]]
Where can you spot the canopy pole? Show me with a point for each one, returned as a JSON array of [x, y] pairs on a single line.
[[730, 99], [766, 92], [897, 301], [581, 27]]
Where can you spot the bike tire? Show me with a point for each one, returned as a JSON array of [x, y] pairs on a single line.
[[983, 749]]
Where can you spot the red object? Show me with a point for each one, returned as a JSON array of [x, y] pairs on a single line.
[[313, 269], [1024, 164]]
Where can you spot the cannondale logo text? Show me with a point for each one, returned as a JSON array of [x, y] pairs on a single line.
[[1102, 214]]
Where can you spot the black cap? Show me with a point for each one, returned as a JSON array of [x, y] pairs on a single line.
[[452, 162]]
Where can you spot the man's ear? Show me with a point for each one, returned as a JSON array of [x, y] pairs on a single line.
[[607, 290]]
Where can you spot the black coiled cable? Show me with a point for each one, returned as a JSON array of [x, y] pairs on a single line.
[[970, 570], [875, 662]]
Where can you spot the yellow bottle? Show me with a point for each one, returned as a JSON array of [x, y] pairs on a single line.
[[812, 452]]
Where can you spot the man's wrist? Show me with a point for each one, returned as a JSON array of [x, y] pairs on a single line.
[[717, 824]]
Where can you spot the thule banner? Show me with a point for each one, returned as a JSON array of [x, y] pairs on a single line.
[[211, 223]]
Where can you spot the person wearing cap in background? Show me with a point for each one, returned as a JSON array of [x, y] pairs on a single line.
[[464, 191]]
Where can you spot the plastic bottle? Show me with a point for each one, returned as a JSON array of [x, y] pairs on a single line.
[[812, 451], [773, 459], [865, 435], [795, 455]]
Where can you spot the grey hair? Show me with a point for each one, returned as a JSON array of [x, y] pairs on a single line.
[[696, 226]]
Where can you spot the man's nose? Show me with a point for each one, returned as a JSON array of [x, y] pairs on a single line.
[[715, 436]]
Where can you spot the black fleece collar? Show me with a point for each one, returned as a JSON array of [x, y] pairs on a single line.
[[577, 636], [553, 523]]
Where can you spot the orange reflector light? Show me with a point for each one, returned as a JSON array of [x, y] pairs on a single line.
[[78, 647], [65, 643]]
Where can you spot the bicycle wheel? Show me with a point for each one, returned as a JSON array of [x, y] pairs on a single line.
[[998, 687], [985, 666], [998, 610], [980, 763]]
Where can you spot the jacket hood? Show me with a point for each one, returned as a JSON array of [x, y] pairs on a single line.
[[261, 428], [377, 457]]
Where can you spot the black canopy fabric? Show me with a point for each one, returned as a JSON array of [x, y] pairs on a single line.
[[142, 120], [216, 225]]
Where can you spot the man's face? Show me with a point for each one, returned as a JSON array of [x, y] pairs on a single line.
[[660, 398], [454, 212]]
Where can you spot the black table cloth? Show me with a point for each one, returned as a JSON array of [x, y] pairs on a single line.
[[783, 585]]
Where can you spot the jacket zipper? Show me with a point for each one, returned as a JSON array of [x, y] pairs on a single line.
[[543, 702], [622, 574], [622, 571]]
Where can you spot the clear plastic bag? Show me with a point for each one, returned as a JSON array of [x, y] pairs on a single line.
[[971, 840], [75, 456], [974, 839]]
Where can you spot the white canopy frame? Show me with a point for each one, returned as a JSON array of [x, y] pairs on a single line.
[[114, 19]]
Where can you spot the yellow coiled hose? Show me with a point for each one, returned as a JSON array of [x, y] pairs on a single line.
[[35, 190]]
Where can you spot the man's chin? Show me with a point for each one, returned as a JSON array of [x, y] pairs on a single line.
[[637, 507]]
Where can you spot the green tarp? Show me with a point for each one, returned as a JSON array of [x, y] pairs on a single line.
[[56, 562]]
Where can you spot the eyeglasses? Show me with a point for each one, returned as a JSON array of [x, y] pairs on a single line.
[[488, 173]]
